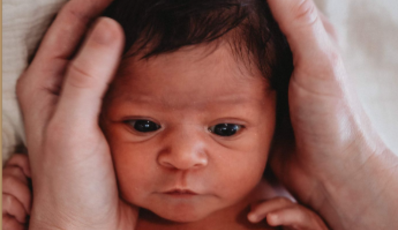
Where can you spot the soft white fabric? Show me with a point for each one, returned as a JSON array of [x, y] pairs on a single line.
[[368, 32], [24, 23]]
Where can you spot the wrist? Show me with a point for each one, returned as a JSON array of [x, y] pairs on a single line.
[[363, 198]]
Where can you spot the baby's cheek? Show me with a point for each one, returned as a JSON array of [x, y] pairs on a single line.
[[132, 172], [239, 176]]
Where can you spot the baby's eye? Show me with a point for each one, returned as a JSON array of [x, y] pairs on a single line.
[[225, 129], [143, 126]]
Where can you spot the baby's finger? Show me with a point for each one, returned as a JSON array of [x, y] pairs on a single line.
[[296, 216], [16, 172], [89, 75], [260, 210], [21, 161], [299, 20], [19, 190], [10, 223], [13, 207]]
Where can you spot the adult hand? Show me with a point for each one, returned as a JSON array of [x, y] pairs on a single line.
[[72, 173], [337, 164]]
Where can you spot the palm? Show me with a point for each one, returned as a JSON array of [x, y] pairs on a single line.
[[321, 139]]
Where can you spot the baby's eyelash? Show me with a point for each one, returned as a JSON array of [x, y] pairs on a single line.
[[143, 126], [225, 129], [148, 126]]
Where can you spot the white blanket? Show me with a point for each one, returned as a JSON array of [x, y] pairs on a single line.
[[368, 33]]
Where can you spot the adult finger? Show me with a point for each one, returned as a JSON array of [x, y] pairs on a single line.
[[21, 161], [37, 86], [13, 207], [10, 223], [66, 32], [300, 21], [89, 74], [19, 190]]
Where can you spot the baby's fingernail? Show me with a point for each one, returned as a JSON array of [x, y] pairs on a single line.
[[252, 217]]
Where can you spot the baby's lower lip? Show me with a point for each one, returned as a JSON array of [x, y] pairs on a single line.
[[181, 195], [177, 193]]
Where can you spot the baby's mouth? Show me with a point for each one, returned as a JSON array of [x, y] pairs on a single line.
[[178, 192]]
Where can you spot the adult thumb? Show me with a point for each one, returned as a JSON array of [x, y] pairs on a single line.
[[90, 73]]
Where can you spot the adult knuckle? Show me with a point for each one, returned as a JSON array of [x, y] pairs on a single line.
[[82, 14], [80, 77], [77, 14], [305, 12]]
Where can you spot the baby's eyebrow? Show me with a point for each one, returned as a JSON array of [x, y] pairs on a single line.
[[217, 101]]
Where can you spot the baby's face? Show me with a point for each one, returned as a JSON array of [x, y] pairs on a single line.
[[189, 131]]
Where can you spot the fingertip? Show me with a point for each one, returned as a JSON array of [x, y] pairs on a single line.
[[302, 25], [106, 31], [272, 219], [89, 74], [252, 217]]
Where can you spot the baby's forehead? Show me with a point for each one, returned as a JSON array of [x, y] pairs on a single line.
[[216, 58], [200, 75]]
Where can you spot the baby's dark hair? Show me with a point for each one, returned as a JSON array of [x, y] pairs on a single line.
[[154, 27]]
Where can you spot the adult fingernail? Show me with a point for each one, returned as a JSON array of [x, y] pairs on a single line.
[[102, 33]]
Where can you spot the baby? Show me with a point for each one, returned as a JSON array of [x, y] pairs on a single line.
[[190, 118]]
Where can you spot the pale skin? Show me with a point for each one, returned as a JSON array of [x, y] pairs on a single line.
[[329, 125]]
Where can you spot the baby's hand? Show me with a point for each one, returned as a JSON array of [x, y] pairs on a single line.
[[283, 212], [17, 195]]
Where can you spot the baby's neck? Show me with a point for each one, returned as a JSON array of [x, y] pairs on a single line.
[[233, 217]]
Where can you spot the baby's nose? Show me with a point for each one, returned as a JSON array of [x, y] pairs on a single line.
[[183, 151]]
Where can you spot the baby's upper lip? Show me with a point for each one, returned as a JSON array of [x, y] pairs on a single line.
[[180, 191]]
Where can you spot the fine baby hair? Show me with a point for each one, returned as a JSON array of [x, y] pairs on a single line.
[[154, 27]]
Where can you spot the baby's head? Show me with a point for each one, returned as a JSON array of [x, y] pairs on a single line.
[[191, 113]]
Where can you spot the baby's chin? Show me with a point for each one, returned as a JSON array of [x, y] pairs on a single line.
[[183, 215], [180, 214]]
